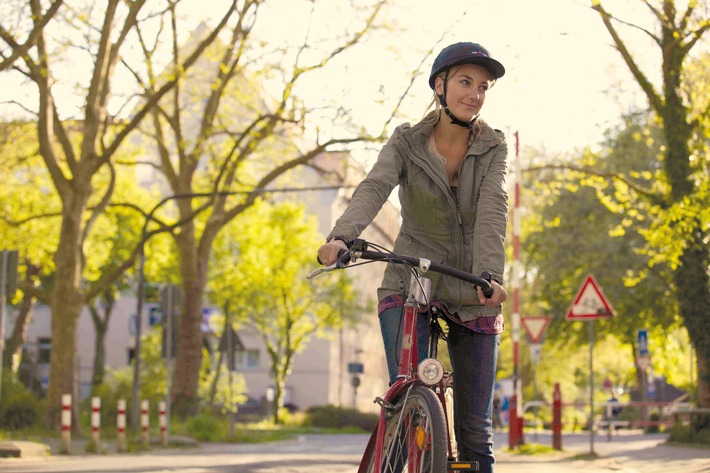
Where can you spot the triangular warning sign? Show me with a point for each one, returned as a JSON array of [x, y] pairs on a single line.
[[590, 303], [535, 327]]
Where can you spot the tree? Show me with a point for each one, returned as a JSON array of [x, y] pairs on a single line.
[[17, 50], [233, 137], [584, 219], [27, 224], [681, 198], [76, 151], [268, 288]]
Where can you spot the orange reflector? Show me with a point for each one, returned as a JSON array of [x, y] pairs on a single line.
[[465, 466]]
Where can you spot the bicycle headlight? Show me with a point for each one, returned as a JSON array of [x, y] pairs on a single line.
[[430, 371]]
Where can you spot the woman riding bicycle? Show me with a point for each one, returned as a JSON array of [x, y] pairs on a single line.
[[451, 169]]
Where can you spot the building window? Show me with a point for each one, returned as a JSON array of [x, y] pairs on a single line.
[[247, 359], [131, 354], [44, 350]]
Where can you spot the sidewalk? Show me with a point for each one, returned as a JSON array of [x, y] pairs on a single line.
[[626, 452]]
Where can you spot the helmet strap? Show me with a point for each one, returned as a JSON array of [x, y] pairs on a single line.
[[454, 119]]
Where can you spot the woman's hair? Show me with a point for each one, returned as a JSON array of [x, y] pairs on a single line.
[[434, 118]]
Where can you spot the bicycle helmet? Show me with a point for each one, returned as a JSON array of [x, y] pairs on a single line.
[[462, 53], [465, 53]]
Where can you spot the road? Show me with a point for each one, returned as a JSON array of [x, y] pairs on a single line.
[[625, 453]]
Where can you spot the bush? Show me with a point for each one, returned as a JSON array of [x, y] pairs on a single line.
[[654, 429], [689, 434], [20, 411], [337, 417], [205, 428]]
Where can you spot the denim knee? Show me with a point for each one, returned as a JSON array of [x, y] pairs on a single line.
[[391, 327]]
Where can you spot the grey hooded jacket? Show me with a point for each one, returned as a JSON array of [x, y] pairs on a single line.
[[467, 233]]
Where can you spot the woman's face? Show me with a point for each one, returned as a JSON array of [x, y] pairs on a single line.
[[466, 89]]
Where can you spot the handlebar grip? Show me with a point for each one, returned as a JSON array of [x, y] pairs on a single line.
[[343, 259], [487, 291]]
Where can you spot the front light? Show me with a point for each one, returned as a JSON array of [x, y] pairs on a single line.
[[430, 371]]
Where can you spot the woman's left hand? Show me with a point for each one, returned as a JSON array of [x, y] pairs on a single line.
[[497, 298]]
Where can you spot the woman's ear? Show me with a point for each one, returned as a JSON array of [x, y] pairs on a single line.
[[439, 85]]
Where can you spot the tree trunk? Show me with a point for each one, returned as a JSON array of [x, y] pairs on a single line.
[[97, 376], [18, 337], [66, 301], [694, 302], [189, 355]]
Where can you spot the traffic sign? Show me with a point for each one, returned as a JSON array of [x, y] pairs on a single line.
[[535, 327], [535, 352], [642, 342], [590, 303]]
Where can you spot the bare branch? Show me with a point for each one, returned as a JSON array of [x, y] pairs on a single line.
[[653, 98], [165, 88], [20, 50]]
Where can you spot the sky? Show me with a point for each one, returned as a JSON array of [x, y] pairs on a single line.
[[564, 83]]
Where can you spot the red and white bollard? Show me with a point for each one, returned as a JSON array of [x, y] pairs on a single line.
[[95, 419], [66, 423], [163, 424], [144, 421], [557, 418], [121, 424]]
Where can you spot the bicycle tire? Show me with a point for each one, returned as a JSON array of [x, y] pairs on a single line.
[[415, 438]]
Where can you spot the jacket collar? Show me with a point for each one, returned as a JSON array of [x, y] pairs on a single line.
[[487, 138]]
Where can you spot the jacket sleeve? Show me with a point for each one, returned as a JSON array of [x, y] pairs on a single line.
[[371, 194], [492, 218]]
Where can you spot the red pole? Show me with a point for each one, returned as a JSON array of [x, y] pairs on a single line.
[[95, 420], [66, 423], [557, 418], [515, 431], [121, 425], [163, 424], [144, 421]]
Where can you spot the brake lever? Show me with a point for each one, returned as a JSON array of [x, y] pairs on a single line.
[[343, 260]]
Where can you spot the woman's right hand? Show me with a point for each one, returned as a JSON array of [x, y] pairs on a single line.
[[328, 253]]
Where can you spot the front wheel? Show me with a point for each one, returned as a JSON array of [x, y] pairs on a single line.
[[415, 437]]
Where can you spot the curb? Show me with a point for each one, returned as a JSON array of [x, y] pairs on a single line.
[[23, 449]]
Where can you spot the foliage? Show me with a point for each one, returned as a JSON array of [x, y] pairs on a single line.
[[153, 387], [338, 417], [28, 224], [206, 428], [578, 210], [678, 215], [19, 409], [268, 288], [230, 389], [688, 434]]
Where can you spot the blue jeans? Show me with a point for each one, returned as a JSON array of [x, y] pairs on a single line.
[[474, 357]]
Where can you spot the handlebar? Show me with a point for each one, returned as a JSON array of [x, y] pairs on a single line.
[[359, 250]]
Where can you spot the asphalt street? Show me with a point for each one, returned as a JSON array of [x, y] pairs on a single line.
[[626, 452]]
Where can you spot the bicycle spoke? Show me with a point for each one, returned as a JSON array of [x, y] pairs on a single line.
[[415, 438]]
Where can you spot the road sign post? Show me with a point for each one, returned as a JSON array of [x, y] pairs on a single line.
[[590, 304], [535, 328]]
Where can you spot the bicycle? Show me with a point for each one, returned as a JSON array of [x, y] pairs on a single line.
[[414, 432]]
